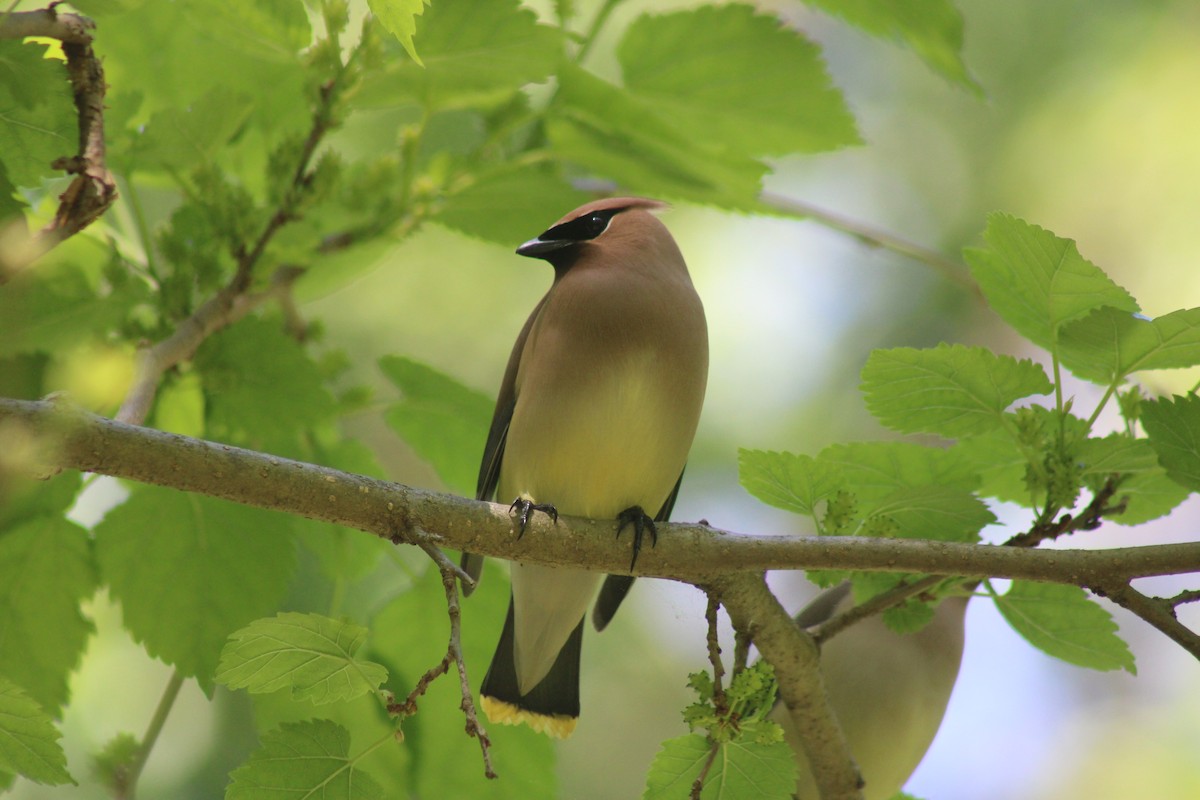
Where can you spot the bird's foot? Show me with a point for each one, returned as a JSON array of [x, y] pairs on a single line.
[[525, 509], [642, 524]]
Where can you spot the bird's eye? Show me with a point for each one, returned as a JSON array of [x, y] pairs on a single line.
[[596, 223]]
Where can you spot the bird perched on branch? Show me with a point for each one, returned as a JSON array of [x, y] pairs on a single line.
[[595, 417]]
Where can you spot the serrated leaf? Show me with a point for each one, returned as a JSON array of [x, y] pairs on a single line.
[[680, 63], [46, 573], [261, 387], [190, 570], [310, 654], [38, 122], [876, 469], [500, 202], [1149, 495], [616, 135], [28, 739], [1110, 344], [740, 770], [1038, 281], [932, 28], [442, 420], [303, 760], [795, 483], [950, 390], [1173, 426], [400, 18], [942, 513], [1063, 622]]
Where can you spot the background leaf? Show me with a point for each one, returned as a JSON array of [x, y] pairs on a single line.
[[189, 570], [680, 63], [795, 483]]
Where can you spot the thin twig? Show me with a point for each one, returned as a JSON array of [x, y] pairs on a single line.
[[451, 574], [1187, 596], [875, 605], [698, 784], [1157, 611], [714, 654], [1089, 519], [127, 787], [224, 309], [875, 237]]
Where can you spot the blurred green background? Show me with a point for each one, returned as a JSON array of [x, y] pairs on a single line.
[[1089, 126]]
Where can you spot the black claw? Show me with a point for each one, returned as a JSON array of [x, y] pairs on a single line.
[[641, 522], [527, 507]]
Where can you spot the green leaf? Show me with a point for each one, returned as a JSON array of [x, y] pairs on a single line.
[[1110, 344], [115, 760], [56, 307], [619, 136], [795, 483], [1173, 426], [308, 653], [190, 570], [444, 422], [303, 760], [1037, 281], [950, 390], [260, 386], [935, 512], [932, 28], [28, 739], [681, 64], [740, 770], [1149, 495], [46, 573], [274, 30], [179, 405], [876, 469], [504, 200], [474, 53], [38, 122], [400, 18], [1062, 622]]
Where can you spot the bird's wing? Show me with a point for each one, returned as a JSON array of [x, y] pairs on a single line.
[[493, 450]]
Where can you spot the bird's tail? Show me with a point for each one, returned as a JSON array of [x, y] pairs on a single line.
[[551, 707]]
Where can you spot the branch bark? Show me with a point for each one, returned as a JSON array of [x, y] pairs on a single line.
[[797, 662], [695, 553]]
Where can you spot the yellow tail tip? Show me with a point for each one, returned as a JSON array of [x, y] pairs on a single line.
[[558, 726]]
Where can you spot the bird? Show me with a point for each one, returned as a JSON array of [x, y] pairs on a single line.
[[595, 417], [888, 690]]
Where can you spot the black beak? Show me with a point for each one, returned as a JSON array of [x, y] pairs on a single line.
[[541, 248]]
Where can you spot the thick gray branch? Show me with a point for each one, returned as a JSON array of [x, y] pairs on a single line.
[[797, 661], [689, 552]]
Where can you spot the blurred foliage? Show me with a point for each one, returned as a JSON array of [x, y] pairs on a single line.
[[254, 138]]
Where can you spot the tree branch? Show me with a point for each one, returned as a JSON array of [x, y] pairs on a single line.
[[797, 662], [223, 309], [94, 189], [695, 553]]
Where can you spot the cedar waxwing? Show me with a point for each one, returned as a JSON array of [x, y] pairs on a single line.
[[888, 690], [595, 417]]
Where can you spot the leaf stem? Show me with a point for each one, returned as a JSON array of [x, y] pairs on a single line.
[[594, 29], [165, 703]]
